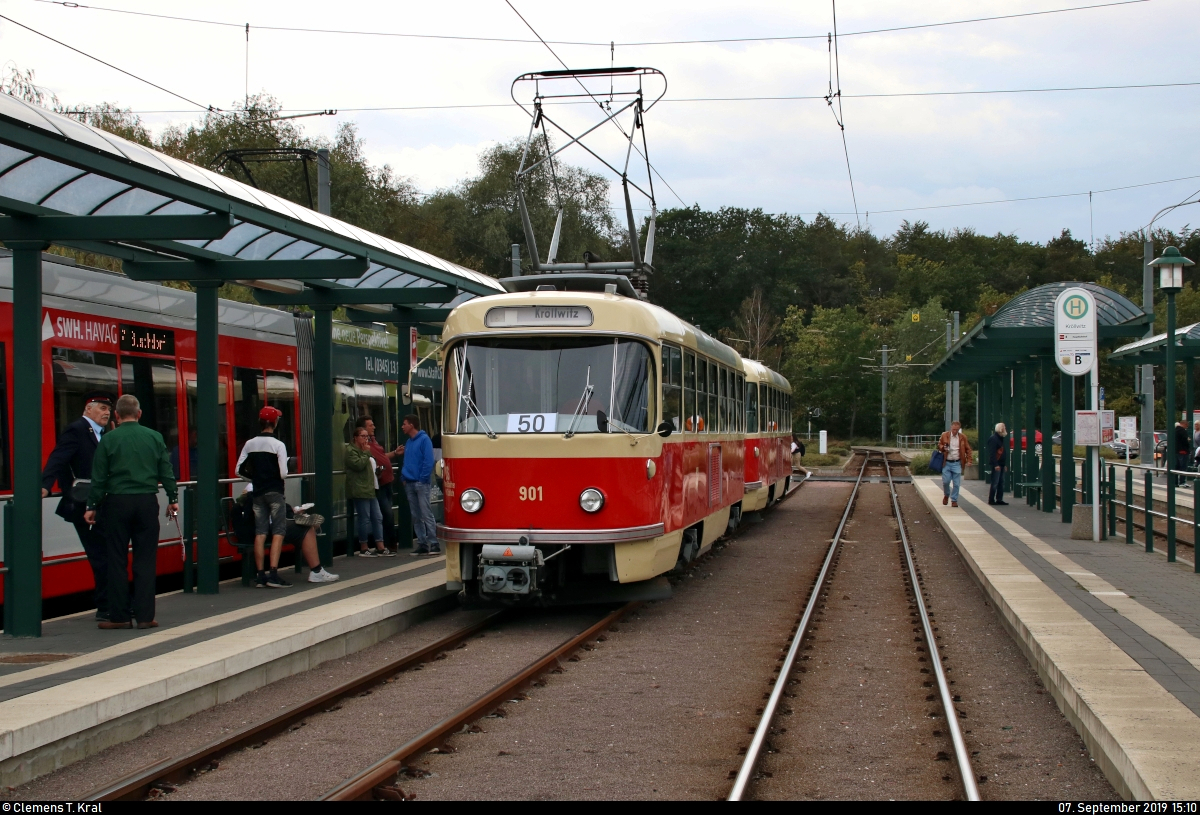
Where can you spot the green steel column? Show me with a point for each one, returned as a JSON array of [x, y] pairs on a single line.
[[983, 391], [1169, 375], [23, 551], [1031, 467], [323, 427], [1049, 500], [1016, 429], [1006, 416], [208, 445], [1066, 461], [1089, 488], [1188, 399]]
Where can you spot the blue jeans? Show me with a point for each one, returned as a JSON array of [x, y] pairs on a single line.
[[996, 493], [951, 479], [368, 520], [419, 508]]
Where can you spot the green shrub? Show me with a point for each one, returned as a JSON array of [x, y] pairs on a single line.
[[1106, 453], [920, 465], [838, 450], [818, 460]]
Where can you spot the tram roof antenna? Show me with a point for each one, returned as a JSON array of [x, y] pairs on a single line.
[[629, 100]]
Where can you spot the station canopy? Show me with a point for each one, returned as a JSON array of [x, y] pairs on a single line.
[[52, 165], [1151, 351], [1023, 328]]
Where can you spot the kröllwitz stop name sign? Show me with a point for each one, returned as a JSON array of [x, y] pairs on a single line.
[[1075, 331]]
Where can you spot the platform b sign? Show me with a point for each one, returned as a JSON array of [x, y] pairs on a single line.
[[1075, 331]]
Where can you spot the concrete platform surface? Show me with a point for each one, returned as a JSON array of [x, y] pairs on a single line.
[[106, 687], [1114, 633]]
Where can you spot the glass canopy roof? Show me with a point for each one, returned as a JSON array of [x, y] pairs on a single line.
[[1023, 329], [52, 164]]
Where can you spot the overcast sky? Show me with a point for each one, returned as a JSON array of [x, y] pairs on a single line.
[[782, 156]]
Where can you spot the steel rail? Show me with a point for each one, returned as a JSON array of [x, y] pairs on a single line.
[[961, 753], [138, 784], [362, 787], [760, 734]]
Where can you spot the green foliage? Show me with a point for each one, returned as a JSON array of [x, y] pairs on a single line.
[[920, 464], [818, 460]]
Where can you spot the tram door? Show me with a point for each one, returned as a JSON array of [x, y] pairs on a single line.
[[185, 466]]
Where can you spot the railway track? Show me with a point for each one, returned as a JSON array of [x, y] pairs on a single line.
[[872, 465]]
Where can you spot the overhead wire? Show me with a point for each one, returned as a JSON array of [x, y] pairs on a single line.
[[839, 117], [110, 65], [610, 44]]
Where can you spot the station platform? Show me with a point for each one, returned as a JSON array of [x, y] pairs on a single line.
[[78, 690], [1113, 631]]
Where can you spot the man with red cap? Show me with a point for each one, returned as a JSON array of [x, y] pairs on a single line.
[[264, 463]]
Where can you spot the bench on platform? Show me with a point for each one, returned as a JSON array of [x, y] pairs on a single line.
[[1034, 487]]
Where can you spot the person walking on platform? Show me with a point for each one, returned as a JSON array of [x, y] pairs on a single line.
[[71, 461], [264, 462], [128, 466], [387, 477], [362, 482], [416, 472], [1183, 448], [956, 451], [997, 457]]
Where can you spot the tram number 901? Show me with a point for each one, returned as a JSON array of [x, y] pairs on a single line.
[[530, 493]]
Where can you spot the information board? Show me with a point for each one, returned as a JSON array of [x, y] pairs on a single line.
[[1127, 427], [1075, 331], [1087, 427], [1106, 426]]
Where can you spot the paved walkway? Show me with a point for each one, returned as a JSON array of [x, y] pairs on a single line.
[[1113, 631]]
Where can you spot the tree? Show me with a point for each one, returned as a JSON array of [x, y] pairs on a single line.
[[754, 330]]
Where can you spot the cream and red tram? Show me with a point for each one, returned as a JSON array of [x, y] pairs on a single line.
[[591, 442], [768, 436]]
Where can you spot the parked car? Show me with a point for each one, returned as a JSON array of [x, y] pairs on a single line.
[[1121, 448], [1012, 441]]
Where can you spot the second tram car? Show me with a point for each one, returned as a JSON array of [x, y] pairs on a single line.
[[768, 436], [592, 442]]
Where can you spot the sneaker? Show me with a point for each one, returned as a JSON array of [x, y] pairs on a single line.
[[261, 581], [384, 553], [323, 576], [418, 552], [274, 581], [367, 553], [432, 553]]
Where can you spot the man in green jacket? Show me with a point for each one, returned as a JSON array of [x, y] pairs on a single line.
[[130, 462]]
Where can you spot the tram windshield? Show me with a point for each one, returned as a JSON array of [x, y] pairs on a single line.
[[550, 385]]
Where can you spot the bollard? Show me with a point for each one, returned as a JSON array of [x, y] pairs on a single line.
[[1149, 509], [186, 516], [1128, 505], [1112, 500]]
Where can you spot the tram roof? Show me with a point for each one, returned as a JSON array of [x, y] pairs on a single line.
[[612, 313], [1023, 329], [51, 164], [1152, 350], [758, 372]]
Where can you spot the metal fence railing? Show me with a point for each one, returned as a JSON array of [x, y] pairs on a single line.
[[923, 442]]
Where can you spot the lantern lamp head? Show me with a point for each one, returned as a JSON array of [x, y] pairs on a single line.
[[1170, 269]]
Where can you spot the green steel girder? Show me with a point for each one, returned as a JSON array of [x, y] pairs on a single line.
[[361, 297], [429, 318], [114, 227], [98, 161], [227, 270]]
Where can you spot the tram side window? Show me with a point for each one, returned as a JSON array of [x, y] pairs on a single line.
[[5, 481], [672, 374], [344, 411], [371, 401], [248, 399], [713, 418], [281, 394], [633, 378], [76, 373], [689, 393], [701, 395], [770, 409], [752, 408], [222, 431], [152, 381], [740, 408]]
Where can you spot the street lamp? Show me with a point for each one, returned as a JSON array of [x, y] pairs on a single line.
[[1170, 280]]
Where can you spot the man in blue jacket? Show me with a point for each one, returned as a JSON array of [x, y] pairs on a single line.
[[416, 472]]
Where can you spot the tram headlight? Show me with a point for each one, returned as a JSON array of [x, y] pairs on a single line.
[[471, 500], [591, 500]]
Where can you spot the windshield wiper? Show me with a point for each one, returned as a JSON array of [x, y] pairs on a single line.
[[584, 400], [471, 408]]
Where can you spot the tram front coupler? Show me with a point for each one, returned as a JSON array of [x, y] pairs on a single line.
[[509, 569]]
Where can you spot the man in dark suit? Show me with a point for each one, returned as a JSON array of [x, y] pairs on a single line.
[[71, 460]]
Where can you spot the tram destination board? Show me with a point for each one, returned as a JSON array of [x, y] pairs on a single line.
[[146, 340]]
